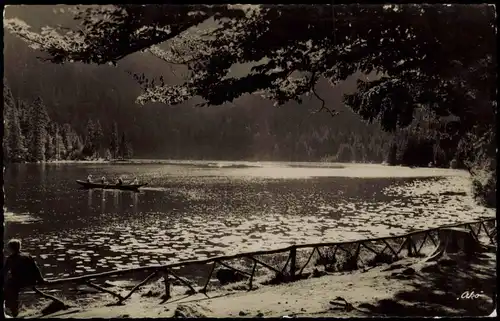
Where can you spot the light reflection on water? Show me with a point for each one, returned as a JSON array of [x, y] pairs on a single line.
[[201, 210]]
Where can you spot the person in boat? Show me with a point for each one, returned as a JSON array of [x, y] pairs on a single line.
[[103, 180], [89, 178], [20, 271], [120, 181], [136, 181]]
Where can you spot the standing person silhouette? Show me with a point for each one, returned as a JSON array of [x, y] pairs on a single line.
[[20, 271]]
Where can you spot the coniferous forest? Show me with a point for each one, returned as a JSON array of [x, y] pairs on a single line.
[[30, 135]]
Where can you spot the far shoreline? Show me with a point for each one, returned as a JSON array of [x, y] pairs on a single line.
[[320, 164]]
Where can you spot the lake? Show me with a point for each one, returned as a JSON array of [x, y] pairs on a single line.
[[200, 209]]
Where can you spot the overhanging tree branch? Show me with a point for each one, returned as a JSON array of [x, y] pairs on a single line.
[[312, 82]]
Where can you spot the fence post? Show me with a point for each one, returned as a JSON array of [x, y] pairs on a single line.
[[409, 245], [204, 290], [250, 283], [293, 261], [166, 281]]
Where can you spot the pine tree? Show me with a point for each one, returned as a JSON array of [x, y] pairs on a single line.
[[8, 116], [13, 142], [345, 153], [107, 154], [67, 137], [78, 147], [25, 120], [129, 152], [392, 156], [60, 149], [39, 121], [28, 130], [113, 147], [97, 138], [89, 148], [17, 149], [50, 151], [122, 150]]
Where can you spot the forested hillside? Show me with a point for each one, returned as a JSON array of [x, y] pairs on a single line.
[[30, 135]]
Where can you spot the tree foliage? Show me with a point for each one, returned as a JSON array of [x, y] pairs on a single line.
[[59, 146], [13, 142], [50, 148], [125, 148], [439, 57], [40, 122], [98, 136], [113, 144], [106, 34], [107, 154], [67, 136]]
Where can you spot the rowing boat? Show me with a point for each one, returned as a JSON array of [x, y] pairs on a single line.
[[127, 187]]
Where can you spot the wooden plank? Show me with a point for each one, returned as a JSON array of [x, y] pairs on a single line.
[[48, 296], [319, 253], [321, 257], [251, 276], [432, 239], [472, 231], [484, 228], [390, 248], [286, 264], [358, 257], [309, 259], [471, 227], [166, 282], [232, 268], [100, 288], [267, 266], [488, 233], [412, 247], [182, 280], [423, 242], [138, 286], [402, 246], [479, 230], [293, 261], [356, 254], [204, 290], [409, 244], [369, 248]]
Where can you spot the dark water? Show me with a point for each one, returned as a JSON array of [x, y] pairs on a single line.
[[195, 210]]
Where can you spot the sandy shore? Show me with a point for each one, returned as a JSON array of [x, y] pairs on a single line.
[[450, 286]]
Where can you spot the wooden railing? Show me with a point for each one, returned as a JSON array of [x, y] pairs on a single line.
[[328, 254]]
